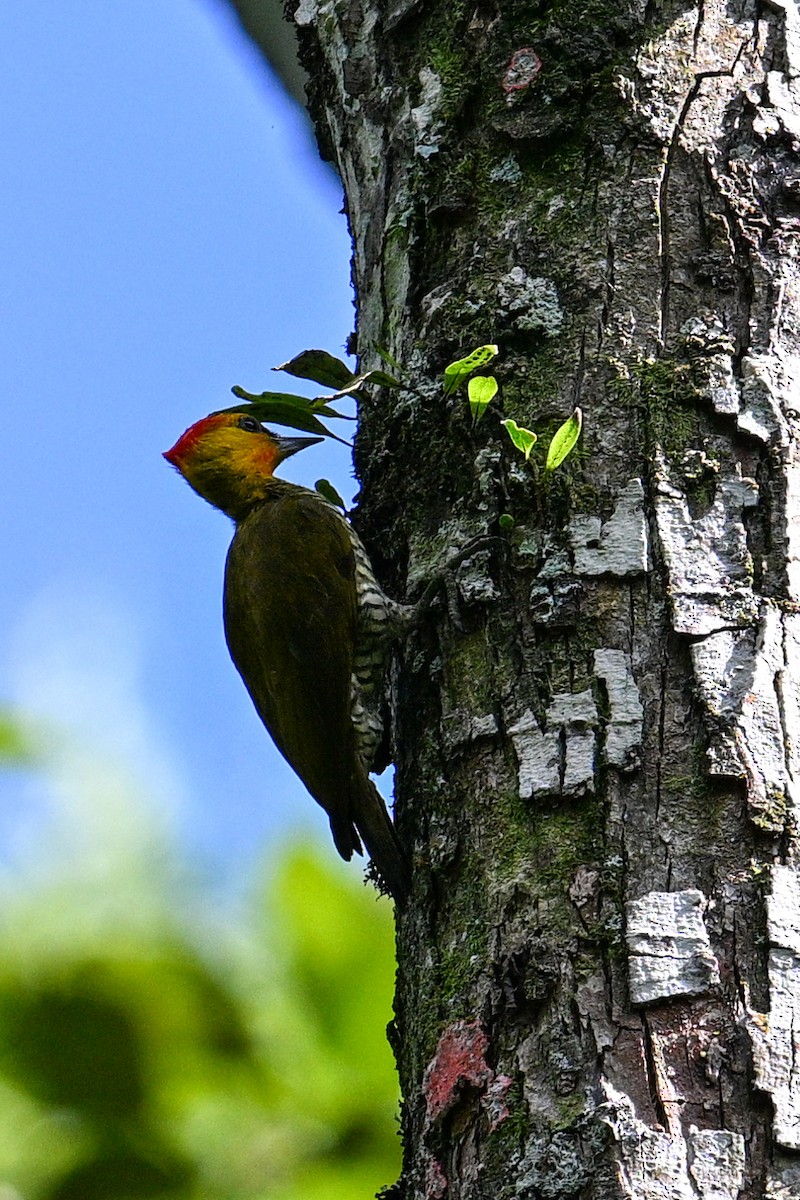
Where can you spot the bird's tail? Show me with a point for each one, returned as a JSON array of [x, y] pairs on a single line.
[[381, 841]]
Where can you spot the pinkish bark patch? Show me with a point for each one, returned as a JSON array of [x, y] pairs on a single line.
[[523, 68], [435, 1180], [459, 1061]]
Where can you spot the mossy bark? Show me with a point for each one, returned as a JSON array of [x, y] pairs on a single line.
[[596, 776]]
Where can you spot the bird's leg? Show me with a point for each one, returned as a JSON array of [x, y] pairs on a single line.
[[450, 584]]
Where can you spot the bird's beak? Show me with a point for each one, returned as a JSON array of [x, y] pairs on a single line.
[[287, 446]]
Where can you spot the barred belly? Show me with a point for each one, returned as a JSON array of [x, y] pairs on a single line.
[[379, 622]]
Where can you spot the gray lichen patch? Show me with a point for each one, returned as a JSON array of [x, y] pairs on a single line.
[[618, 546], [556, 604], [775, 1037], [531, 302], [668, 946], [708, 563], [716, 1162], [552, 1166], [623, 733], [507, 171]]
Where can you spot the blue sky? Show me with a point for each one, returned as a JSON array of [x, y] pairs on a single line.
[[167, 231]]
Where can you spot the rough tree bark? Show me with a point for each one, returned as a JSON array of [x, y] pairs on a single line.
[[599, 974]]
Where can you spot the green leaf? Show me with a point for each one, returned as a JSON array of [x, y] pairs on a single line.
[[480, 390], [523, 439], [291, 398], [564, 440], [321, 406], [377, 378], [506, 521], [329, 493], [318, 405], [279, 412], [457, 372], [320, 366]]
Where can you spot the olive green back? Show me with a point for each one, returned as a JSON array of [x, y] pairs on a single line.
[[290, 620]]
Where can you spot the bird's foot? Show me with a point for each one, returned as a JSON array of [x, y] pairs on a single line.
[[444, 580]]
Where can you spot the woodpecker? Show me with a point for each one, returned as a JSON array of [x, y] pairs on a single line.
[[307, 625]]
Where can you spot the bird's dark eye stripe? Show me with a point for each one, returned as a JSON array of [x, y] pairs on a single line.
[[250, 424]]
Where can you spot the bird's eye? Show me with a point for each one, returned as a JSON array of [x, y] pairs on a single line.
[[250, 424]]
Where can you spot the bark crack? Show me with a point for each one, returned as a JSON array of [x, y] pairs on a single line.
[[698, 25], [740, 255], [664, 249], [780, 702], [662, 705], [608, 298], [666, 1100], [580, 370]]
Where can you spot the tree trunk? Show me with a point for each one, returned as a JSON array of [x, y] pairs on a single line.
[[599, 974]]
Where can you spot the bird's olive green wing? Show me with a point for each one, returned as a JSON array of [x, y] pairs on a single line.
[[290, 619]]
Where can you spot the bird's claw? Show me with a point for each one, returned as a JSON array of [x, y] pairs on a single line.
[[445, 578]]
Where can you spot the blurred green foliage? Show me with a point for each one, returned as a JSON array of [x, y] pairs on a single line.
[[14, 741], [156, 1049]]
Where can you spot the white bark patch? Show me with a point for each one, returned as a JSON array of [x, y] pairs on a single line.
[[668, 946], [561, 759], [652, 1165], [576, 715], [708, 563], [723, 388], [618, 547], [538, 757], [747, 680], [781, 94], [788, 690], [763, 401], [791, 526], [754, 398], [775, 1037], [623, 734], [428, 127], [532, 302], [761, 413], [306, 12]]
